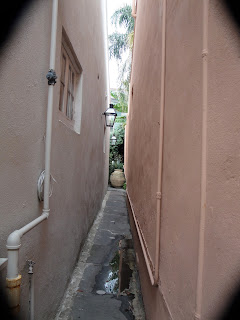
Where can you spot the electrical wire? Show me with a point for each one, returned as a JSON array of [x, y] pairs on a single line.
[[40, 186]]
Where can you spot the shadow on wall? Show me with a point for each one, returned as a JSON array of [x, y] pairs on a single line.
[[10, 14], [5, 310], [233, 7], [232, 306]]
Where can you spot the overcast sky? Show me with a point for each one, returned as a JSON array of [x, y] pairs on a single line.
[[113, 5]]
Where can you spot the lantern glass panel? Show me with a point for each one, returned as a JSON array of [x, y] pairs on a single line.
[[113, 140], [110, 120]]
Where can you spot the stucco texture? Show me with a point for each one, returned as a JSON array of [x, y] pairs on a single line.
[[181, 157], [184, 161], [182, 147], [79, 165], [143, 121], [222, 242]]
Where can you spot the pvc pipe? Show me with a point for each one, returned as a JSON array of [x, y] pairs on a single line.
[[12, 268], [31, 296], [203, 163], [134, 13], [53, 34], [14, 243], [13, 293], [50, 108], [161, 136], [14, 239]]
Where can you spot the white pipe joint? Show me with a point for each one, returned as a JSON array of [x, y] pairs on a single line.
[[14, 240], [46, 212], [13, 245]]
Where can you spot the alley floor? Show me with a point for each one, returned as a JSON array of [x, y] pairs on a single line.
[[105, 283]]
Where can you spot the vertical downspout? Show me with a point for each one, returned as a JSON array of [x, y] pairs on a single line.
[[13, 280], [126, 141], [160, 167], [50, 108], [31, 289], [134, 13], [198, 312]]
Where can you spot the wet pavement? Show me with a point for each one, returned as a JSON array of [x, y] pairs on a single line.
[[105, 283]]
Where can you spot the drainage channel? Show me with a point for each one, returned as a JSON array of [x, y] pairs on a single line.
[[115, 277], [105, 284]]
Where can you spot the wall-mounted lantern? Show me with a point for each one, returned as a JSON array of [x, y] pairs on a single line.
[[113, 140], [110, 116]]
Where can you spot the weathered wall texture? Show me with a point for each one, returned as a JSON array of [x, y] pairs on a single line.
[[78, 164], [222, 260], [181, 206], [145, 100]]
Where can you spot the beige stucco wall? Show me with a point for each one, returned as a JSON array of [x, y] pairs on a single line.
[[78, 164], [181, 205]]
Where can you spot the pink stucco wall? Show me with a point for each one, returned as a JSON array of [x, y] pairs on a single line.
[[78, 164], [184, 163], [222, 260], [145, 94]]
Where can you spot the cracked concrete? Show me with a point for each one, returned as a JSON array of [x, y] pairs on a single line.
[[94, 269]]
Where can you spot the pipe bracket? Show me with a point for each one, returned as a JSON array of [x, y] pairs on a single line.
[[51, 76], [204, 53], [159, 195]]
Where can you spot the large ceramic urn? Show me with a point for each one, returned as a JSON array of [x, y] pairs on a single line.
[[117, 178]]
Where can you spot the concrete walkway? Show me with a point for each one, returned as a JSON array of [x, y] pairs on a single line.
[[105, 284]]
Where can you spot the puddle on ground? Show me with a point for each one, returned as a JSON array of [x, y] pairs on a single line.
[[112, 283], [115, 277], [118, 278]]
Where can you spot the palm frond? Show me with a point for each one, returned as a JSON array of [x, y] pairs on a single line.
[[118, 44], [123, 17]]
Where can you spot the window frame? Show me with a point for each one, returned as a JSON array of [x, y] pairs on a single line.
[[69, 81]]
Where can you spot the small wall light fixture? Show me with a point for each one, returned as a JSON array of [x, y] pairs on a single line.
[[113, 140], [110, 116]]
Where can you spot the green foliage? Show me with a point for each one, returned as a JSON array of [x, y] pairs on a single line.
[[125, 186], [121, 119], [130, 39], [116, 152], [120, 42], [123, 17], [118, 45], [121, 97]]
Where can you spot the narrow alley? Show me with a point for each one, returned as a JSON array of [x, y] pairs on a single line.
[[105, 282], [142, 95]]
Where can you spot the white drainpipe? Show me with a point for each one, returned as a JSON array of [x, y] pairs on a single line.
[[14, 239]]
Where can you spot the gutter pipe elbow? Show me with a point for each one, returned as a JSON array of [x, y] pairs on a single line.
[[14, 240], [46, 212]]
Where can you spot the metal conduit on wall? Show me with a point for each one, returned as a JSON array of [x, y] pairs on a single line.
[[198, 312]]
